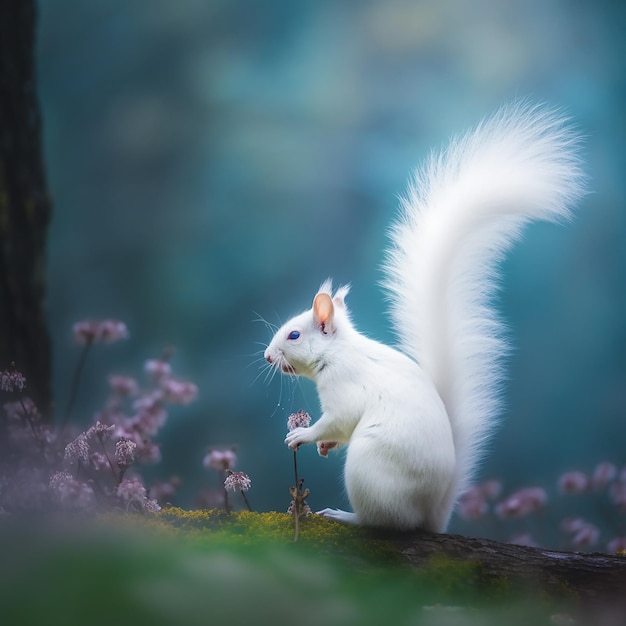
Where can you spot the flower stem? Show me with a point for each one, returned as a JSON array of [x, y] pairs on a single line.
[[245, 499], [226, 502], [118, 478], [29, 419], [76, 381], [295, 492]]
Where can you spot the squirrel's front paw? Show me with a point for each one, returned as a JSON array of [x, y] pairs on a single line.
[[297, 436]]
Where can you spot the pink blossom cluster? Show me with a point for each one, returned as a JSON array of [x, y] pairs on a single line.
[[72, 493], [474, 503], [91, 331], [220, 460], [577, 482], [133, 494], [603, 489], [11, 380], [237, 481], [573, 482], [97, 457], [24, 408], [522, 502], [78, 449], [300, 419], [158, 369], [604, 476], [125, 452], [95, 468], [138, 414], [583, 534]]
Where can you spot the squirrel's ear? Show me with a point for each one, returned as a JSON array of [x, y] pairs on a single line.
[[323, 312], [340, 296]]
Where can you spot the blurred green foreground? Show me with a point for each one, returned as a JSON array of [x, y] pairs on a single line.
[[175, 568]]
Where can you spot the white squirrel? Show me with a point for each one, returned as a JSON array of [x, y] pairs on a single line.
[[417, 416]]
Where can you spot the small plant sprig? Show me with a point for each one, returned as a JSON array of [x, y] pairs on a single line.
[[298, 506]]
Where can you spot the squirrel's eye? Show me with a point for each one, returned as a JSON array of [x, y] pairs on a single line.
[[294, 334]]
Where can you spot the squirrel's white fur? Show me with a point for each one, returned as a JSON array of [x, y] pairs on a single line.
[[416, 417]]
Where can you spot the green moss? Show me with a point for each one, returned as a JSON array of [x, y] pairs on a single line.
[[248, 528]]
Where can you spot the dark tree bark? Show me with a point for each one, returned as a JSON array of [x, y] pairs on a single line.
[[590, 579], [24, 206]]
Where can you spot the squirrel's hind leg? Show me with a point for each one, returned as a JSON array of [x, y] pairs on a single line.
[[339, 515]]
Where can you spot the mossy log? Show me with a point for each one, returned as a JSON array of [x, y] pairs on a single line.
[[588, 577]]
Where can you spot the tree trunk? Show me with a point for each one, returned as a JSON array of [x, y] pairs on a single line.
[[24, 206]]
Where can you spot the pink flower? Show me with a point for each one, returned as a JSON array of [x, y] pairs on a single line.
[[617, 545], [59, 481], [220, 460], [491, 488], [100, 430], [301, 419], [237, 481], [131, 489], [603, 474], [158, 368], [210, 499], [586, 537], [583, 533], [15, 410], [618, 494], [151, 415], [12, 381], [99, 461], [85, 332], [112, 330], [573, 483], [178, 392], [522, 502], [148, 401], [572, 525], [152, 506], [125, 452], [163, 491], [133, 493], [472, 504], [78, 449], [91, 331], [123, 385], [70, 491], [149, 452]]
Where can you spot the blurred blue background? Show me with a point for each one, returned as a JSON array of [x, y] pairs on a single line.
[[213, 161]]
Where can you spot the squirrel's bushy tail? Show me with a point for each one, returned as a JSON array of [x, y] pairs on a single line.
[[462, 212]]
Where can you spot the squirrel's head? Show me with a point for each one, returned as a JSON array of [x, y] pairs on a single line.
[[305, 345]]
